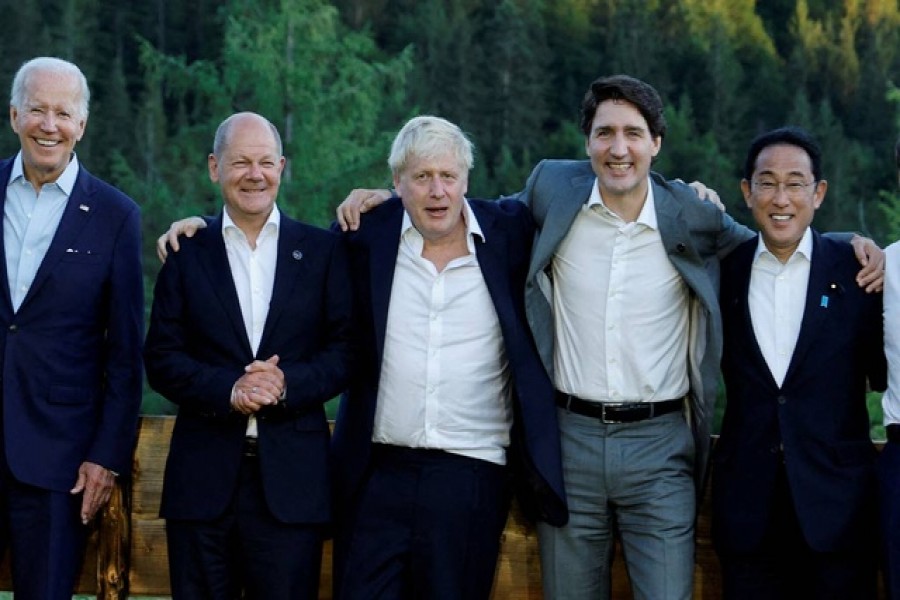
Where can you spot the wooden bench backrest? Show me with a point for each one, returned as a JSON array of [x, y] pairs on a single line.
[[130, 540]]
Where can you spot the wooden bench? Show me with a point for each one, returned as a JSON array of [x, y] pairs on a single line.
[[127, 549]]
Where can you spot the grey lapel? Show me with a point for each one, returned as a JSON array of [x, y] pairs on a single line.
[[566, 199]]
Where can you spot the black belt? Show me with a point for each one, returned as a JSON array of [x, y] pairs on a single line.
[[617, 412], [251, 447], [893, 433]]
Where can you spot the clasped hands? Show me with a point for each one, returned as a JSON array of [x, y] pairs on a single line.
[[262, 384]]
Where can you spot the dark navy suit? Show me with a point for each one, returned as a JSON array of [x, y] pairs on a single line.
[[503, 258], [806, 443], [197, 347], [71, 373]]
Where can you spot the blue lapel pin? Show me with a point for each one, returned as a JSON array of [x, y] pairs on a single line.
[[297, 255]]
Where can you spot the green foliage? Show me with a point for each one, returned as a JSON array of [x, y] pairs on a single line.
[[876, 416]]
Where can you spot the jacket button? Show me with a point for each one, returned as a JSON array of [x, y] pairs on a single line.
[[13, 327], [681, 248], [782, 400]]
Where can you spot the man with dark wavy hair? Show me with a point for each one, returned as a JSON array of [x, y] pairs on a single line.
[[622, 297]]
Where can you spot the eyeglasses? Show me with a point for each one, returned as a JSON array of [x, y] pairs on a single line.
[[793, 189]]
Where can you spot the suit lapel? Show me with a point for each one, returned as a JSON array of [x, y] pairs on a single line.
[[80, 209], [382, 262], [494, 264], [214, 260], [679, 245], [288, 269], [814, 313], [739, 299], [565, 202]]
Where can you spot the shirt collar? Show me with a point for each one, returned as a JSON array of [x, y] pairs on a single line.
[[472, 227], [647, 216], [65, 181], [804, 248], [271, 225]]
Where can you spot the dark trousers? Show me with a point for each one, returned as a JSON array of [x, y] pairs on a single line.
[[785, 567], [43, 530], [427, 526], [889, 483], [245, 551]]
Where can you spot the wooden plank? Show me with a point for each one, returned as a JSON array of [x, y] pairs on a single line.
[[149, 568]]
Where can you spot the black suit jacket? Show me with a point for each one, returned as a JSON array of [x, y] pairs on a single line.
[[818, 415], [503, 258], [197, 347]]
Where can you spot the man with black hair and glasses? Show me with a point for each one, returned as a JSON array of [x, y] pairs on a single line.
[[793, 477]]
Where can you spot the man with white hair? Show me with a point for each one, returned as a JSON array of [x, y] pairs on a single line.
[[71, 324]]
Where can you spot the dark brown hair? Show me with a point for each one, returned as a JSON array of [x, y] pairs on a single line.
[[634, 91]]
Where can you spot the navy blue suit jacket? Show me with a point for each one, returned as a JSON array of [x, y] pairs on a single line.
[[197, 347], [72, 352], [503, 258], [818, 414]]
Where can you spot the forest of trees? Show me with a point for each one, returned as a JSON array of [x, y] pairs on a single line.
[[339, 78]]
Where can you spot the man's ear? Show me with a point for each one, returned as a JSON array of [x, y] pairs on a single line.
[[213, 166]]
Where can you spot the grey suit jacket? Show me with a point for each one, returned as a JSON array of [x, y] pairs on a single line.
[[696, 236]]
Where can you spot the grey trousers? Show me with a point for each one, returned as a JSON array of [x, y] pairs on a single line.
[[634, 478]]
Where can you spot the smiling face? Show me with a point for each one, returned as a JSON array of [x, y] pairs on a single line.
[[432, 190], [783, 197], [621, 149], [248, 171], [48, 124]]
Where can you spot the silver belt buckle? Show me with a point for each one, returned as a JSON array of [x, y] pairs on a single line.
[[603, 418]]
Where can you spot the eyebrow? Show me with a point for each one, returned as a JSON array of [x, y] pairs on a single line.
[[771, 173]]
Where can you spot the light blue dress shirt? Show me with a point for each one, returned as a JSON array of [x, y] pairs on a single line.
[[30, 221]]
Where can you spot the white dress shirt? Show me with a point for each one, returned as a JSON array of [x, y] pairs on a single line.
[[444, 375], [253, 273], [890, 401], [620, 309], [777, 298], [29, 223]]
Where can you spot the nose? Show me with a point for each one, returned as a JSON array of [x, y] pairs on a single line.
[[781, 195], [619, 147], [255, 172], [436, 188], [48, 121]]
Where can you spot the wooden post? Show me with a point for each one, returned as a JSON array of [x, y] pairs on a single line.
[[114, 544]]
